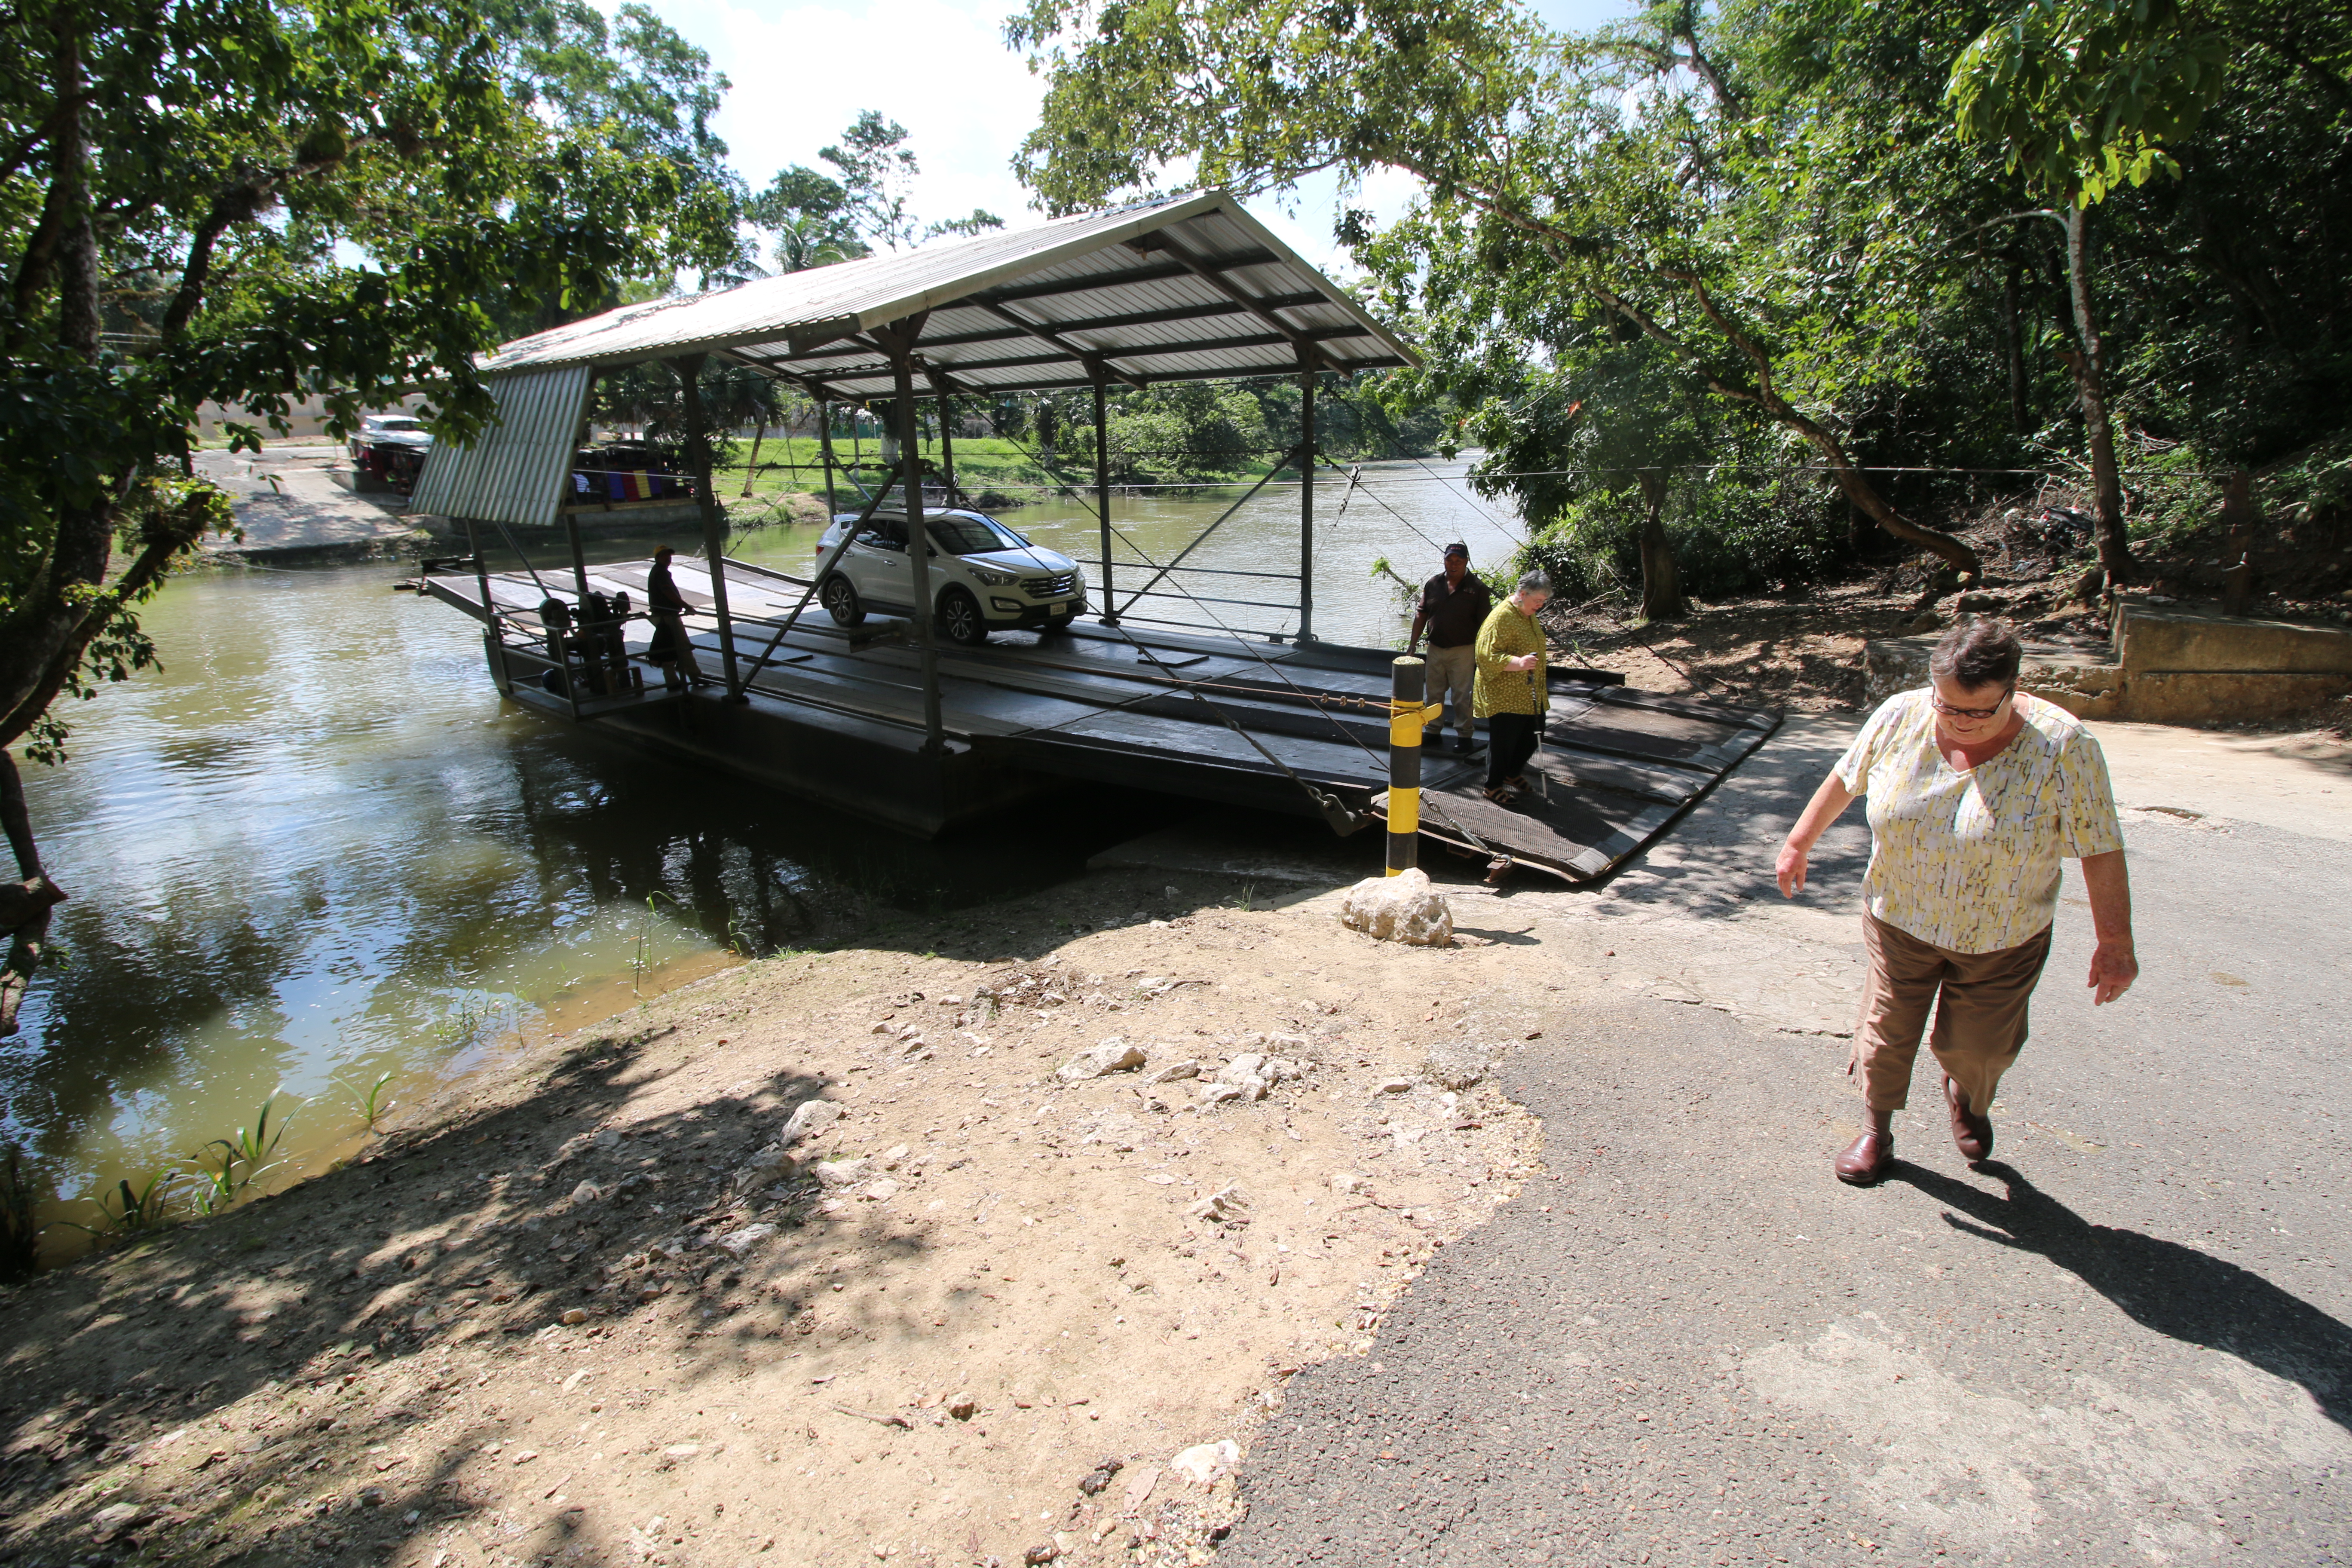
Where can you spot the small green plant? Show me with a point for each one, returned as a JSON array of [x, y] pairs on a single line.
[[642, 959], [740, 941], [20, 1232], [370, 1101], [1247, 896], [226, 1167], [128, 1213]]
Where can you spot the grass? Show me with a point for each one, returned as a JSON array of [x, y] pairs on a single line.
[[370, 1101], [128, 1212], [226, 1167]]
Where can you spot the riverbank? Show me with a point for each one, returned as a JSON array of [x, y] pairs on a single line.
[[592, 1295]]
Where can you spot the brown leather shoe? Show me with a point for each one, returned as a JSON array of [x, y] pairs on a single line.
[[1971, 1134], [1867, 1159]]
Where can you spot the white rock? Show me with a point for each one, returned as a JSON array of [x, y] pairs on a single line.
[[1174, 1071], [1208, 1462], [1114, 1055], [115, 1517], [586, 1193], [1242, 1068], [1214, 1093], [740, 1241], [1404, 908], [1282, 1069], [879, 1191], [811, 1116], [834, 1174], [1223, 1205], [1395, 1086], [895, 1157], [1346, 1184]]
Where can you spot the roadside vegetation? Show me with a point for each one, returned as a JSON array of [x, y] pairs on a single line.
[[1744, 296]]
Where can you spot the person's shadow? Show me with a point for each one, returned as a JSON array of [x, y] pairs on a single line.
[[2174, 1290]]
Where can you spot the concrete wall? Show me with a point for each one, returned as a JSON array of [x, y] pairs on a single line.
[[2171, 666]]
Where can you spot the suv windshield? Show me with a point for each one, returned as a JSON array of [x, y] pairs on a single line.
[[397, 424], [968, 534]]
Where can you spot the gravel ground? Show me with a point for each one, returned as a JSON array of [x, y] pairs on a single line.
[[2123, 1341]]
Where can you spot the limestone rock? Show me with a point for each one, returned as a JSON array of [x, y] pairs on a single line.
[[1174, 1071], [836, 1173], [740, 1241], [1208, 1462], [1214, 1094], [1114, 1055], [1404, 908], [1224, 1206], [811, 1116]]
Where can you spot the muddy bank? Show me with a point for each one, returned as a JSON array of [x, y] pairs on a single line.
[[598, 1312]]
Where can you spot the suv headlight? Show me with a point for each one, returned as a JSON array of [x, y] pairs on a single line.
[[993, 579]]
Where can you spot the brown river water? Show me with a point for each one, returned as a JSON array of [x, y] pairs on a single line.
[[316, 848]]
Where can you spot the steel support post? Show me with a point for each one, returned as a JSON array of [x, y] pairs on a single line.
[[1408, 683], [1307, 514], [825, 444], [900, 343], [1102, 489], [947, 446], [714, 528], [581, 622], [494, 640]]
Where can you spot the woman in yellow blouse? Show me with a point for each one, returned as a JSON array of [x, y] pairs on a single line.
[[1976, 792], [1510, 691]]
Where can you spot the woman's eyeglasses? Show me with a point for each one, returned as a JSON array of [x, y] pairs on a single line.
[[1976, 714]]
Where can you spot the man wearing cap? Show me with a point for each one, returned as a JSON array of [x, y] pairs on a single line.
[[1453, 605]]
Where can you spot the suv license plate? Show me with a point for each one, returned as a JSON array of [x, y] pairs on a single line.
[[1058, 611]]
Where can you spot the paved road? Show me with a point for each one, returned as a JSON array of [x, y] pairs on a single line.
[[2122, 1341]]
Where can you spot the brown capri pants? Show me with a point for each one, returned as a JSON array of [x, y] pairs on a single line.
[[1979, 1000]]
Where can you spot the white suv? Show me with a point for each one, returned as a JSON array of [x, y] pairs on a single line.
[[984, 577]]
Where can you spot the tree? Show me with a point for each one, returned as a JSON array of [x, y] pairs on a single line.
[[185, 189], [2085, 95], [1538, 156]]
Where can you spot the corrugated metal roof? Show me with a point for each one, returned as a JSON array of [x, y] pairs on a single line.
[[516, 472], [1185, 289]]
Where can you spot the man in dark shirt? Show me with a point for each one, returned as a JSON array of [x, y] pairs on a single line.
[[667, 605], [1453, 605]]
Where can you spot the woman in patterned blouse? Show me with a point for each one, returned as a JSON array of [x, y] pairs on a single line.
[[1976, 792]]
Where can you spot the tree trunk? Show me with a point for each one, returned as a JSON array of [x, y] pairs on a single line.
[[2090, 379], [759, 434], [25, 904], [2020, 419], [1661, 578]]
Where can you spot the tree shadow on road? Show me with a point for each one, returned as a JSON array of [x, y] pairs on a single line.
[[2175, 1290]]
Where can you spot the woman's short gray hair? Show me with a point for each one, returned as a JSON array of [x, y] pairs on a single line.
[[1534, 583], [1978, 653]]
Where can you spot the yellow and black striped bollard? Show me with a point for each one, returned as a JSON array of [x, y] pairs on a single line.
[[1409, 714]]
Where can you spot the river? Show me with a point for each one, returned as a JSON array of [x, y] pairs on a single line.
[[316, 847]]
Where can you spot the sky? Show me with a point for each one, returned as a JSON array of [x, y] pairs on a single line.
[[802, 71]]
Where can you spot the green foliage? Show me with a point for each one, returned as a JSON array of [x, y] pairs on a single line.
[[131, 1213], [2085, 94], [247, 204], [226, 1167]]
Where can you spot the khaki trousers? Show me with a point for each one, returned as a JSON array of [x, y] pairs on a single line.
[[1451, 672], [1979, 1000]]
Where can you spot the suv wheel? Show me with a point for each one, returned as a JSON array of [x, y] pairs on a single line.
[[840, 601], [959, 618]]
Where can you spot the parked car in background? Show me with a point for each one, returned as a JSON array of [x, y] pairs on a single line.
[[391, 447], [984, 577]]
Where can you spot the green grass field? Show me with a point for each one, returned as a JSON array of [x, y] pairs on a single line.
[[982, 462]]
